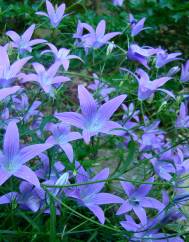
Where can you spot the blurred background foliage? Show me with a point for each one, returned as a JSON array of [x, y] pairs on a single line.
[[168, 19]]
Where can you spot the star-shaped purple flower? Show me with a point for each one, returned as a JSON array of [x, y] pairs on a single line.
[[93, 119]]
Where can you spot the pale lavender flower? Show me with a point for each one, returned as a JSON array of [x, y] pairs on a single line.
[[183, 117], [185, 72], [162, 58], [13, 158], [93, 120], [140, 54], [54, 14], [23, 42], [45, 78], [146, 87], [137, 200], [95, 38], [130, 112], [9, 73], [62, 136], [118, 2], [89, 195], [136, 27], [61, 56], [101, 88]]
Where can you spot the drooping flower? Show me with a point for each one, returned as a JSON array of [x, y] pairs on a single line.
[[140, 54], [185, 72], [101, 88], [45, 78], [13, 158], [10, 72], [118, 2], [61, 56], [89, 195], [183, 117], [28, 197], [95, 38], [163, 58], [62, 136], [136, 27], [93, 120], [23, 42], [146, 87], [54, 14], [137, 200]]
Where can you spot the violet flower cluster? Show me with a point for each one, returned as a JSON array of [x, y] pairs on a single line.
[[40, 146]]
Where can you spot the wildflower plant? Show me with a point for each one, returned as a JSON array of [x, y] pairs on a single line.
[[113, 167]]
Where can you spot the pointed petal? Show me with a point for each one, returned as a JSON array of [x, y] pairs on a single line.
[[101, 27], [27, 174], [113, 128], [109, 36], [28, 33], [60, 79], [159, 82], [98, 212], [10, 144], [32, 151], [4, 176], [37, 42], [5, 92], [8, 198], [13, 35], [68, 151], [38, 67], [149, 202], [18, 65], [141, 214], [42, 13], [108, 109], [87, 136], [4, 60], [144, 189], [125, 207], [60, 10], [71, 118], [50, 9], [102, 175], [128, 187], [106, 198], [87, 103]]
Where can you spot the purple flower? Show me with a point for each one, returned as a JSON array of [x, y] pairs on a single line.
[[28, 197], [62, 135], [45, 78], [146, 87], [140, 54], [101, 88], [136, 27], [55, 15], [185, 72], [163, 58], [13, 158], [93, 120], [90, 195], [8, 72], [95, 38], [130, 112], [61, 56], [173, 71], [24, 43], [183, 117], [118, 2], [137, 200]]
